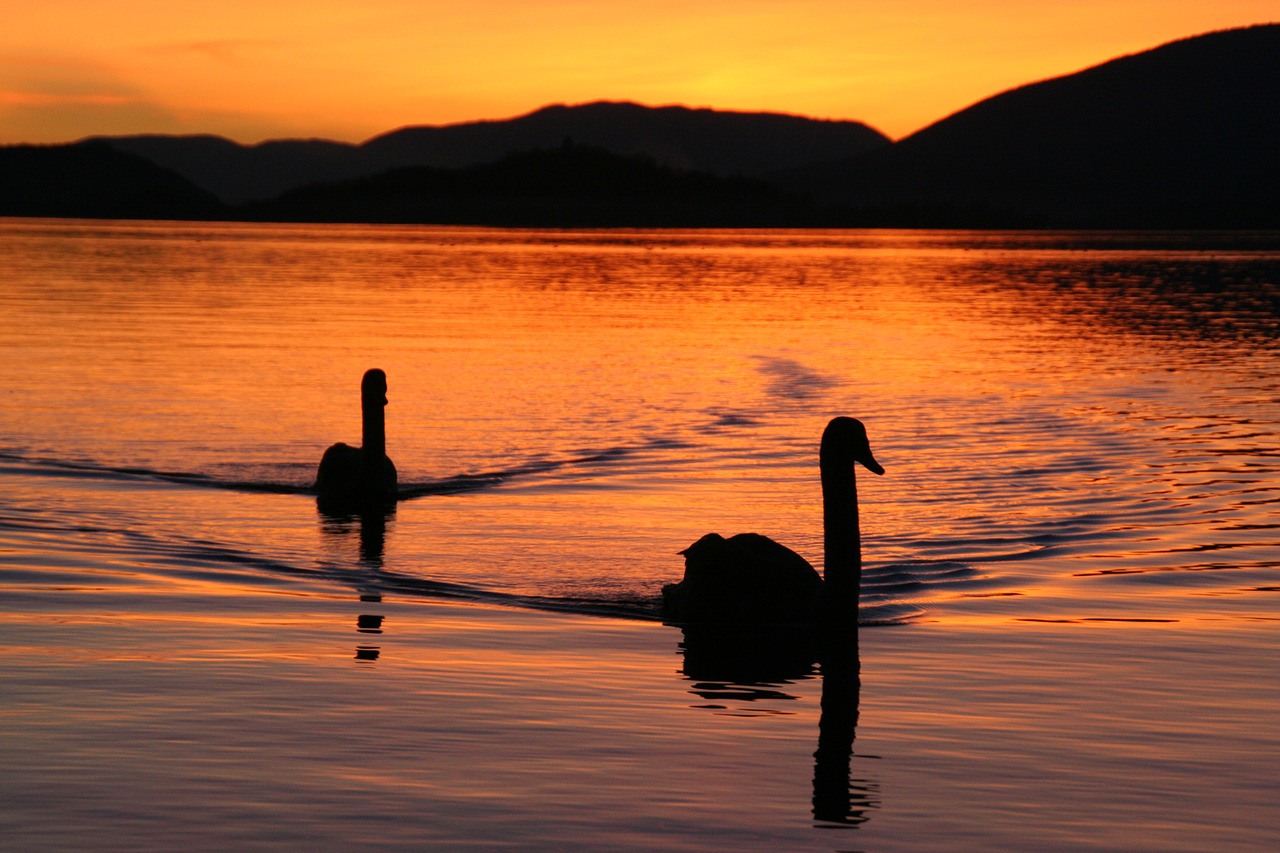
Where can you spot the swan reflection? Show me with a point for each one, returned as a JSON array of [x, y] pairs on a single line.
[[746, 662], [369, 528], [732, 664], [837, 797]]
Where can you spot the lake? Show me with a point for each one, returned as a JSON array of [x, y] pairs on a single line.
[[1072, 561]]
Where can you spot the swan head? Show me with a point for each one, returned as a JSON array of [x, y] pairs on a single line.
[[373, 386], [844, 442]]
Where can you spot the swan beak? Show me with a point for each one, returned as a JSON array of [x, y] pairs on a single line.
[[870, 463]]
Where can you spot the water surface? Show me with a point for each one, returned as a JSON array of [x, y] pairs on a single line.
[[1076, 537]]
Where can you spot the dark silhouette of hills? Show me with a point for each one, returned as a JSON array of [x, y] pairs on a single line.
[[1184, 135], [568, 186], [94, 181], [1187, 134], [719, 142], [236, 173]]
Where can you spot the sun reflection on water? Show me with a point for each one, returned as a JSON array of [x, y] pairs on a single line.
[[1071, 567]]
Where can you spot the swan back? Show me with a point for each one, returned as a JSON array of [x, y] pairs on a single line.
[[746, 578]]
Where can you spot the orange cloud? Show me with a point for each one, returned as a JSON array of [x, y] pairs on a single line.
[[218, 50]]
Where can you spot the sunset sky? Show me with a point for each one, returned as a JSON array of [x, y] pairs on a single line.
[[350, 70]]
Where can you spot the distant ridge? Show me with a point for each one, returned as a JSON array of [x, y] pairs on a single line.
[[1186, 134], [569, 186], [236, 173], [94, 181], [720, 142]]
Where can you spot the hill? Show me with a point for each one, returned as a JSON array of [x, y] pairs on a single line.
[[93, 180], [567, 186], [720, 142], [1184, 135], [1187, 134]]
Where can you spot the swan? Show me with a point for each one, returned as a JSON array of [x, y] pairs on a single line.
[[750, 578], [361, 477]]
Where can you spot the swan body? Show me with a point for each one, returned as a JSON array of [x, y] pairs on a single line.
[[745, 578], [749, 578], [360, 478]]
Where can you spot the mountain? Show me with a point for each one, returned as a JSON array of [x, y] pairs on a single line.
[[237, 173], [1186, 134], [93, 180], [720, 142], [567, 186]]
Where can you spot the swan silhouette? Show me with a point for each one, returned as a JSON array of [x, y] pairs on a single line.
[[749, 578], [360, 478]]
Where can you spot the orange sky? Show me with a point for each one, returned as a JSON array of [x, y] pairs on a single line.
[[350, 70]]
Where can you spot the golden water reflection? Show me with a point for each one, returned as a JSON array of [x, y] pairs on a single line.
[[1078, 529], [1068, 416]]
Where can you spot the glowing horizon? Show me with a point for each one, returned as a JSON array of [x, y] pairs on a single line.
[[321, 69]]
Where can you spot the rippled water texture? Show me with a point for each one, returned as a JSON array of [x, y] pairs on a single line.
[[1077, 535]]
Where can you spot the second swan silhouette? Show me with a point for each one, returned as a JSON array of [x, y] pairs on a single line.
[[361, 478], [749, 578]]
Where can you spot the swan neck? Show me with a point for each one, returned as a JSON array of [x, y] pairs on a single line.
[[373, 437], [842, 538]]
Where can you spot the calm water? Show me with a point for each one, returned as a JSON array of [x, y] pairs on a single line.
[[1077, 537]]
